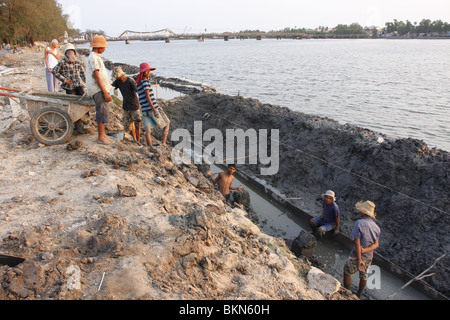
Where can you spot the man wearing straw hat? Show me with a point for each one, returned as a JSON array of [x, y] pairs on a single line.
[[329, 220], [365, 234]]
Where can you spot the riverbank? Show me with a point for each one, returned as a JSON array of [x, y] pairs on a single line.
[[406, 180], [121, 222]]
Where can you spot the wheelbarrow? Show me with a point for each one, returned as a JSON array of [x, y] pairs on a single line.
[[52, 114]]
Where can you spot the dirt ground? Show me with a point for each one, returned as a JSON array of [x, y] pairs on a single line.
[[124, 222]]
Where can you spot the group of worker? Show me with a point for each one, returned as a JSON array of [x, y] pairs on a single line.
[[139, 102]]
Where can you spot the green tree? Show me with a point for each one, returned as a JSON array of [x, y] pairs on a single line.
[[354, 28], [424, 26], [28, 20]]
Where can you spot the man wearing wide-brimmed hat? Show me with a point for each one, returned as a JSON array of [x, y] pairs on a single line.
[[98, 86], [329, 220], [365, 234]]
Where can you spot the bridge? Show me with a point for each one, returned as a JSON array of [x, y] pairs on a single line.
[[169, 34], [160, 34]]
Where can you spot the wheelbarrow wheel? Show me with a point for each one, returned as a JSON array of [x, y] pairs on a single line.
[[51, 126]]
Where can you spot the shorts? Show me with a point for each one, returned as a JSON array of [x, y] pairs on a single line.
[[130, 116], [318, 222], [149, 121], [101, 108], [351, 267]]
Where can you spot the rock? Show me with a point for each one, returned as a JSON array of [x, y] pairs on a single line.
[[242, 197], [193, 180], [322, 282], [76, 145], [91, 173], [127, 191], [46, 256], [304, 244], [74, 279], [215, 209]]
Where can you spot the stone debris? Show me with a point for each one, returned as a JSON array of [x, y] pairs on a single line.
[[323, 282]]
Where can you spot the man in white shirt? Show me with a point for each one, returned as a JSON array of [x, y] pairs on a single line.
[[51, 60], [98, 86]]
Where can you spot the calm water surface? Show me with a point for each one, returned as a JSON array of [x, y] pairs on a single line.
[[397, 87]]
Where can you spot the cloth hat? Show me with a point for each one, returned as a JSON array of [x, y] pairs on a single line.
[[142, 68], [366, 207], [145, 67], [99, 42], [68, 47], [331, 194], [119, 72]]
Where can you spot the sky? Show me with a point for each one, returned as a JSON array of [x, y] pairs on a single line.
[[197, 16]]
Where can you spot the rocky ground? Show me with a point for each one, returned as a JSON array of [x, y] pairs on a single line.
[[406, 180], [124, 222]]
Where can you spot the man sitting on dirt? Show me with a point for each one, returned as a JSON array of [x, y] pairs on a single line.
[[330, 218], [224, 180]]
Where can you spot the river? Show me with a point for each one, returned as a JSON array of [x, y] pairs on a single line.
[[396, 87]]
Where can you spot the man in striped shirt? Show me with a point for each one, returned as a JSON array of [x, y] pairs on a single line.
[[153, 116]]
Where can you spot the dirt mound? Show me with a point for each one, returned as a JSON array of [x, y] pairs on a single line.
[[406, 180]]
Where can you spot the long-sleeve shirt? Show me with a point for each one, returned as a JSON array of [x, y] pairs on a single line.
[[70, 71]]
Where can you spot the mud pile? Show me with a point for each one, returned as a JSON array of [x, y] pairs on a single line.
[[406, 180]]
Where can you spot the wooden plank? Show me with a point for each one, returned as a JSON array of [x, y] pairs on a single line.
[[16, 109], [4, 125], [43, 99]]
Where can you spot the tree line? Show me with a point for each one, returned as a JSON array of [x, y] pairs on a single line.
[[354, 28], [26, 21], [425, 26]]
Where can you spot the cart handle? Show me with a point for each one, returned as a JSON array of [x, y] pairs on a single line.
[[9, 89], [9, 95]]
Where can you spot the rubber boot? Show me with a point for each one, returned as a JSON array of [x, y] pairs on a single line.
[[360, 292]]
